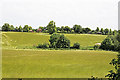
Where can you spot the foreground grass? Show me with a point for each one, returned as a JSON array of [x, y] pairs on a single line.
[[56, 64], [22, 39]]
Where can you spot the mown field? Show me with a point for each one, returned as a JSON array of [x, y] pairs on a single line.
[[35, 63], [29, 39], [56, 64]]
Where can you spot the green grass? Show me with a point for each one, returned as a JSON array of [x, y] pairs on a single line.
[[56, 64], [37, 63], [23, 39], [19, 39], [85, 39]]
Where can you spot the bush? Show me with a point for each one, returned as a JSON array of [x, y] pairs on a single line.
[[59, 41], [53, 40], [45, 45], [111, 43], [39, 46], [96, 47], [107, 44], [63, 42], [76, 46]]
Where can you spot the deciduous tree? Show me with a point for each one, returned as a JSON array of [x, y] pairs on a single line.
[[77, 28], [51, 27]]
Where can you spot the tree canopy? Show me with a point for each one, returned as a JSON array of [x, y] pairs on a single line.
[[59, 41], [51, 27]]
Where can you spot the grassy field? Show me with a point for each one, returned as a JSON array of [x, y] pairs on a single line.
[[29, 39], [56, 64], [33, 63]]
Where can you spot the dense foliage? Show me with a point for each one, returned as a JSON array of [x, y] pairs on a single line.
[[76, 45], [7, 27], [114, 74], [77, 29], [45, 45], [96, 47], [26, 28], [112, 42], [51, 28], [59, 41]]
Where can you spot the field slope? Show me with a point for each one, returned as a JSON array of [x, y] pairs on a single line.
[[34, 63], [30, 39]]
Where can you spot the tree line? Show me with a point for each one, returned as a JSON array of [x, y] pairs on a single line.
[[51, 28]]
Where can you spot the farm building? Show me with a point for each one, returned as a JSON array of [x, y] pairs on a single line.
[[30, 31], [99, 32], [98, 44], [39, 30]]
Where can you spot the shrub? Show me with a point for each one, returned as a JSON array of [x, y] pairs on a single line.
[[53, 40], [59, 41], [63, 42], [76, 46], [111, 43], [96, 47], [45, 45], [107, 44], [39, 46]]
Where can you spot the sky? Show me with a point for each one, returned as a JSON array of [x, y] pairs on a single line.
[[35, 13]]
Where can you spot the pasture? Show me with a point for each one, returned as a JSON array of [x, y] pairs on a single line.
[[35, 63], [21, 39], [56, 63]]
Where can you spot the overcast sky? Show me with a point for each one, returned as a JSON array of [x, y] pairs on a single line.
[[87, 13]]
